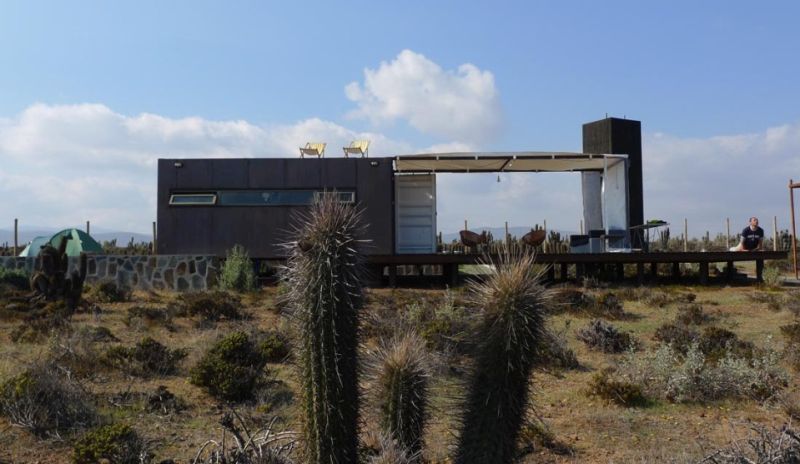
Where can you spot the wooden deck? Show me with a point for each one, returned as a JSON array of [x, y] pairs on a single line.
[[586, 262]]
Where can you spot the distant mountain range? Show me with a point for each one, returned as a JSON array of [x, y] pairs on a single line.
[[26, 235]]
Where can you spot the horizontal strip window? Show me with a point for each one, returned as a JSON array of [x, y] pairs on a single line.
[[258, 197], [190, 199]]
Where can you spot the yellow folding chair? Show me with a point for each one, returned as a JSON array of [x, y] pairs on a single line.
[[313, 149], [357, 147]]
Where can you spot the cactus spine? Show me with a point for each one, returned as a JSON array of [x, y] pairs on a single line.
[[325, 296], [512, 327], [401, 381]]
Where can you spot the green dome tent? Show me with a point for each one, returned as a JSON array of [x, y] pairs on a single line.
[[79, 242], [35, 246]]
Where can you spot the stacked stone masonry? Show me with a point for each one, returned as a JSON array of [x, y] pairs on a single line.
[[174, 272]]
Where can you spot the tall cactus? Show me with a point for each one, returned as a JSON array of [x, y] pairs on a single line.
[[324, 279], [512, 327], [400, 371]]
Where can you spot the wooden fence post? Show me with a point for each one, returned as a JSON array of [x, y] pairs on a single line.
[[774, 233], [728, 233], [16, 236], [88, 230], [685, 235], [155, 238]]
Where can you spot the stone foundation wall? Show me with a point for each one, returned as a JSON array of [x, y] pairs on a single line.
[[159, 272]]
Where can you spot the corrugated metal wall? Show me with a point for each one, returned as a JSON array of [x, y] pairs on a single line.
[[215, 229]]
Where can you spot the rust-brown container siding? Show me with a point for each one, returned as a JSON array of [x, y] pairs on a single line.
[[261, 229]]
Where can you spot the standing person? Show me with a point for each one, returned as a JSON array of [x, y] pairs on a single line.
[[752, 237]]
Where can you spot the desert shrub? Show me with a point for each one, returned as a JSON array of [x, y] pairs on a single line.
[[16, 278], [108, 291], [210, 306], [666, 373], [147, 358], [715, 343], [115, 443], [762, 446], [772, 277], [237, 271], [609, 306], [791, 350], [678, 336], [442, 325], [164, 402], [617, 391], [692, 314], [45, 402], [231, 369], [537, 435], [269, 447], [384, 449], [571, 300], [273, 346], [40, 322], [604, 337], [76, 351], [554, 352], [138, 316]]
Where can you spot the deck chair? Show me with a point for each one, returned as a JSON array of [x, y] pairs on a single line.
[[357, 147], [313, 149]]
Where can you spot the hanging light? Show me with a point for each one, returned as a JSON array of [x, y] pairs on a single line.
[[498, 178]]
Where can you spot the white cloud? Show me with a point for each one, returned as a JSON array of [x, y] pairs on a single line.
[[64, 164], [709, 179], [462, 104]]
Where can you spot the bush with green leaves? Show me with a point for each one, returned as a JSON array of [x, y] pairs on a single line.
[[114, 443], [274, 346], [772, 277], [16, 278], [147, 358], [210, 306], [237, 271], [613, 390], [108, 291], [45, 402], [231, 369]]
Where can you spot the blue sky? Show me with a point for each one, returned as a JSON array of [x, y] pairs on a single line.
[[126, 83]]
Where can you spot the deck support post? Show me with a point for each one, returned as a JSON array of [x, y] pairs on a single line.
[[703, 273], [392, 276], [580, 270], [676, 270], [729, 271], [564, 271], [450, 272], [551, 273], [654, 271], [640, 273], [620, 269], [760, 270]]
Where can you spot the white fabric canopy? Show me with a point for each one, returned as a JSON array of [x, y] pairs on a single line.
[[505, 162]]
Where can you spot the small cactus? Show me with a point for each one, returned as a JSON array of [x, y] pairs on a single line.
[[400, 370], [514, 305], [323, 275]]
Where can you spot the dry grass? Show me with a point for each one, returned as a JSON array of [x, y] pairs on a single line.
[[592, 429]]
